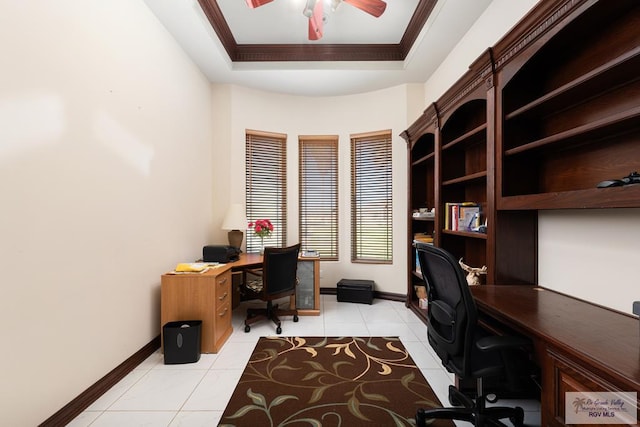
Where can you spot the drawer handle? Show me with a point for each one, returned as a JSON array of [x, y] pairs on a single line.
[[223, 296], [224, 312], [223, 281]]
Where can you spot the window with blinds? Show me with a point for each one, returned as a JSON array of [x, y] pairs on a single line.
[[371, 198], [266, 186], [318, 194]]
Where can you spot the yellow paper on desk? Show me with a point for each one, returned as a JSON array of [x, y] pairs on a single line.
[[190, 267]]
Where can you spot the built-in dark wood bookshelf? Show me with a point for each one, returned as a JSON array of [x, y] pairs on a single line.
[[539, 119], [570, 115]]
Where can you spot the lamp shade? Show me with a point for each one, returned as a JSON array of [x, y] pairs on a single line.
[[235, 219]]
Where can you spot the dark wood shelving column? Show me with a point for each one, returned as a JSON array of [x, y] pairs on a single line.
[[466, 157], [422, 140]]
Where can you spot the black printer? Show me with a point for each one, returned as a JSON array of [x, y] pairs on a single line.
[[220, 253]]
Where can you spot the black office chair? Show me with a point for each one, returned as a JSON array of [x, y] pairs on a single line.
[[277, 279], [464, 349]]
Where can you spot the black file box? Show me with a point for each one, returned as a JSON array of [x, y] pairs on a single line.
[[361, 291], [182, 341]]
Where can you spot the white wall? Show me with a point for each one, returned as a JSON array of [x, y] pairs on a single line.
[[495, 22], [385, 109], [105, 177], [589, 254]]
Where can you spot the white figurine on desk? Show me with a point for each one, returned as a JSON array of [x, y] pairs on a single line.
[[473, 273]]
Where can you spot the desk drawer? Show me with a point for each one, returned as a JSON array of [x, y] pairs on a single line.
[[223, 289], [222, 320], [569, 376]]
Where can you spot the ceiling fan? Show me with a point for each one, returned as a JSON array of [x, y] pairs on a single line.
[[314, 10]]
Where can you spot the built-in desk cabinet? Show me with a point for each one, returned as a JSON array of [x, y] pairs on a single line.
[[579, 346]]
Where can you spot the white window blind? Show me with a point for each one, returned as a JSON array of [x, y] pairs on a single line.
[[266, 186], [371, 198], [318, 194]]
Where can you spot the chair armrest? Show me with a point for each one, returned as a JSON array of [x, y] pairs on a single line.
[[501, 342]]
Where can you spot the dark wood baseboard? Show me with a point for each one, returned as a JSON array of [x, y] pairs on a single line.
[[90, 395], [376, 294]]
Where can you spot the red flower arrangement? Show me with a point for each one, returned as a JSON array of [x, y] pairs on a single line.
[[261, 227]]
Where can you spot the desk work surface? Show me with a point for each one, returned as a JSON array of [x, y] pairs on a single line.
[[607, 338]]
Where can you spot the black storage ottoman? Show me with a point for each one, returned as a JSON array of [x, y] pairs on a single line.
[[181, 341], [349, 290]]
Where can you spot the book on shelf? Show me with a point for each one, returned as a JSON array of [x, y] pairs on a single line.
[[463, 216], [468, 218], [423, 238], [421, 295]]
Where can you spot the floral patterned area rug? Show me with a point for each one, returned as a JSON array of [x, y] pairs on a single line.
[[325, 381]]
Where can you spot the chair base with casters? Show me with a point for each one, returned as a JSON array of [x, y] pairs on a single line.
[[271, 312], [473, 411]]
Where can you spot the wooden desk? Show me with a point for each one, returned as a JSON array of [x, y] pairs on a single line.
[[207, 297], [579, 346]]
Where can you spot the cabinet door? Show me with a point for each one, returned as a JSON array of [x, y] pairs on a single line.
[[567, 375], [307, 290]]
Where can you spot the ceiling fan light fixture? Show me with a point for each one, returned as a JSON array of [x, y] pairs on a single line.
[[308, 9], [316, 20], [314, 11]]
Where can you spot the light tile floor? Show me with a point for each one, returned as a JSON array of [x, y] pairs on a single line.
[[196, 394]]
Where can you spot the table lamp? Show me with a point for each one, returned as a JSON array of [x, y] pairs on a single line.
[[235, 221]]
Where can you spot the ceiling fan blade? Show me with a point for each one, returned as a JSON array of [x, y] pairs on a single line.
[[315, 22], [372, 7], [257, 3]]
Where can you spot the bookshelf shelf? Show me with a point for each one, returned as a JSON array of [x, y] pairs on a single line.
[[469, 234], [612, 74], [424, 159], [428, 219], [466, 178], [596, 131], [600, 198], [475, 135]]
